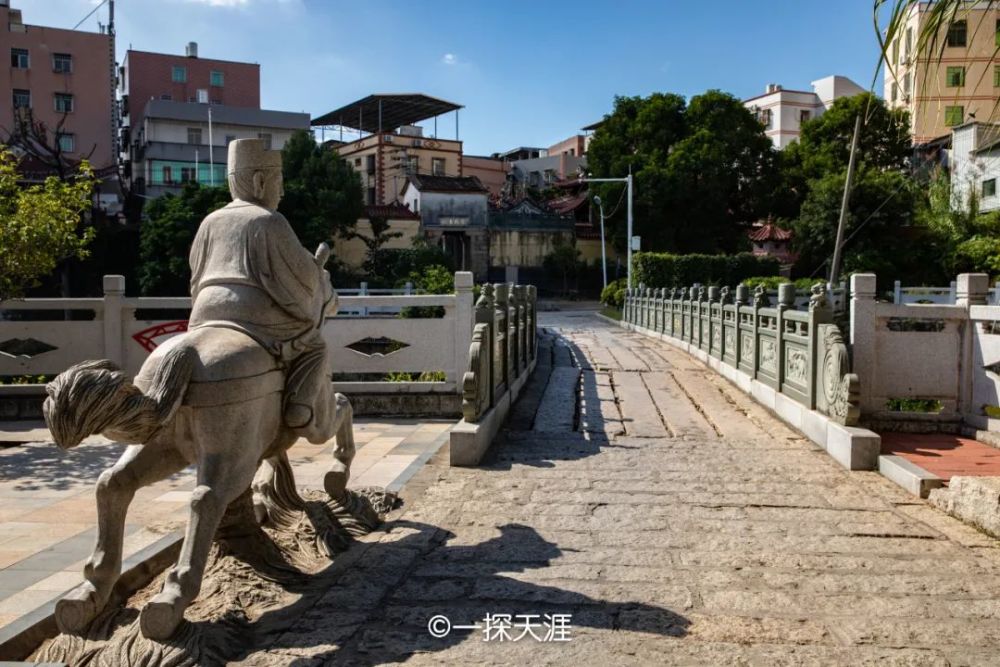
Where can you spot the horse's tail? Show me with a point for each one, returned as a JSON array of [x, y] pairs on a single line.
[[96, 397]]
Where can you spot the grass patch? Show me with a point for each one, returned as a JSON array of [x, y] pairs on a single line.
[[612, 312], [926, 405]]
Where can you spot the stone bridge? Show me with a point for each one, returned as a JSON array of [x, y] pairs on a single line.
[[665, 517]]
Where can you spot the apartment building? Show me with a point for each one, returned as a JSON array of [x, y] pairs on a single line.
[[951, 82], [179, 113], [390, 146], [62, 79], [783, 111]]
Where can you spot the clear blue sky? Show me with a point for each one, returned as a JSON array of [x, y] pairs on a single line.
[[528, 72]]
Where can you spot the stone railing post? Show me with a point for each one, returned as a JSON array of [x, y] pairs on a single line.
[[484, 315], [522, 328], [864, 310], [714, 346], [741, 299], [114, 291], [972, 289], [786, 301], [500, 327], [464, 323], [533, 321], [897, 292], [511, 336]]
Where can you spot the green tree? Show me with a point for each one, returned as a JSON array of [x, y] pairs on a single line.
[[40, 225], [323, 195], [376, 262], [701, 170], [166, 236], [563, 261]]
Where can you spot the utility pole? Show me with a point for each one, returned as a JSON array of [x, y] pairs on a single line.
[[211, 155], [835, 267], [628, 181]]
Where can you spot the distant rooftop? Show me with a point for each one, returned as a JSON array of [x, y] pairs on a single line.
[[221, 113], [384, 112], [426, 183]]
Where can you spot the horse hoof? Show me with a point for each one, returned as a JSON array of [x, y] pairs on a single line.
[[335, 481], [158, 620], [75, 611]]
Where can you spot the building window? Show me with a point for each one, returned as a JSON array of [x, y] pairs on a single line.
[[266, 136], [895, 92], [996, 37], [437, 166], [217, 78], [64, 103], [67, 143], [168, 174], [187, 174], [996, 76], [371, 197], [954, 77], [766, 116], [804, 115], [954, 116], [19, 58], [357, 162], [990, 188], [62, 63], [895, 51], [906, 87], [909, 44], [22, 99], [179, 75], [413, 164], [194, 135], [956, 34]]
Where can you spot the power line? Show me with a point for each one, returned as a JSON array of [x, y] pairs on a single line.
[[103, 2]]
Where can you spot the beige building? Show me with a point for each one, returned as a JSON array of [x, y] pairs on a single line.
[[956, 80], [391, 146], [353, 252]]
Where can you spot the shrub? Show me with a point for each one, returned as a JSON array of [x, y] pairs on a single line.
[[668, 270], [614, 294], [769, 282]]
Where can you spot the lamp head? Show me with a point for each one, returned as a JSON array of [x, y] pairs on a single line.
[[597, 199]]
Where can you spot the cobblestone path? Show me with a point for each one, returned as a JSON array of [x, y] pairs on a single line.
[[674, 519]]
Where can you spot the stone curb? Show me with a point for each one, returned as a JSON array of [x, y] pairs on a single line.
[[20, 638], [908, 475]]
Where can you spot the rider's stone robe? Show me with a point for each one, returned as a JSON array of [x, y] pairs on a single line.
[[250, 272]]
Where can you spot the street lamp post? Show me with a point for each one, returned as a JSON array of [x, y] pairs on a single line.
[[604, 258], [628, 181]]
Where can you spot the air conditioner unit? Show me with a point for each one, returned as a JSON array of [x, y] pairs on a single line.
[[387, 138], [417, 143]]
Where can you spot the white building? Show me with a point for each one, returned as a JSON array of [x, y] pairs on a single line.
[[171, 146], [975, 165], [782, 111]]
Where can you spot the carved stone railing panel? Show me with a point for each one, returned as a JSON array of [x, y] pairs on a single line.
[[475, 382]]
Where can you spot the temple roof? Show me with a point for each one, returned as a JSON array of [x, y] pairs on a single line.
[[769, 232], [427, 183]]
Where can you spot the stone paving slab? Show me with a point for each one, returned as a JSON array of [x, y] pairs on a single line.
[[48, 512]]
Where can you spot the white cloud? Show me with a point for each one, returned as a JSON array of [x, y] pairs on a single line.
[[450, 59]]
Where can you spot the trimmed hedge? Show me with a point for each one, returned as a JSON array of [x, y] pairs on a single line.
[[614, 294], [654, 269]]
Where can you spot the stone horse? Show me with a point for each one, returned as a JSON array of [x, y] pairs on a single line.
[[211, 397]]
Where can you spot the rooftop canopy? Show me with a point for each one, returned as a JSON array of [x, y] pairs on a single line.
[[386, 112]]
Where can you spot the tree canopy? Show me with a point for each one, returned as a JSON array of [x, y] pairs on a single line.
[[166, 236], [40, 225], [702, 170], [323, 195]]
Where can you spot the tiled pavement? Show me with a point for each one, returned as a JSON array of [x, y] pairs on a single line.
[[48, 513], [944, 455]]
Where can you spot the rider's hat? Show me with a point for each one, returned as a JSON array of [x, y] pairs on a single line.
[[251, 154]]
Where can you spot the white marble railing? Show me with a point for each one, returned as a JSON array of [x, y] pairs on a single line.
[[37, 339]]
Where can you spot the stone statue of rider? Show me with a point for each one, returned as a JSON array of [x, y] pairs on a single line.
[[249, 272]]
